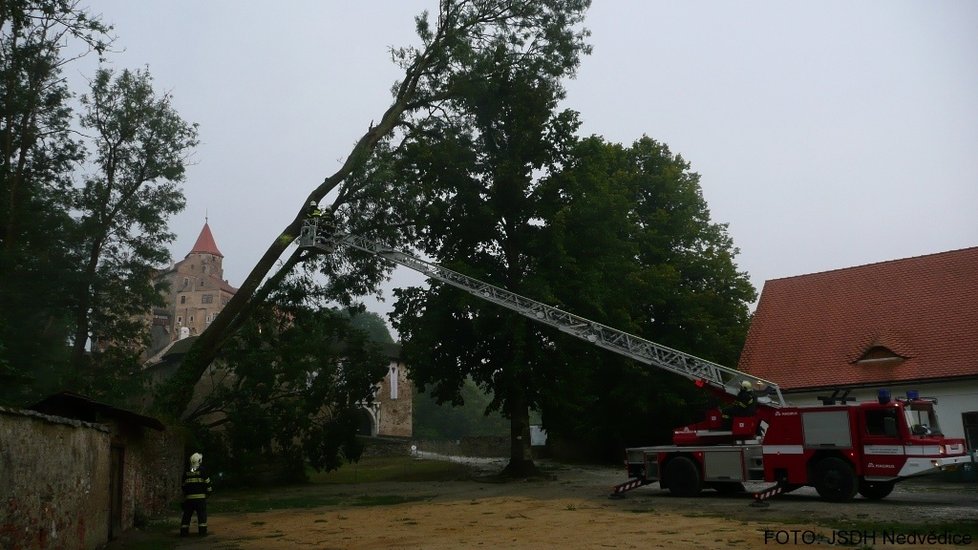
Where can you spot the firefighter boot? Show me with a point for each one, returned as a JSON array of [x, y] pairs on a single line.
[[202, 530], [184, 530]]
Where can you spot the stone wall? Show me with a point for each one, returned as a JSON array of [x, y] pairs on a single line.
[[54, 482], [152, 468], [394, 408]]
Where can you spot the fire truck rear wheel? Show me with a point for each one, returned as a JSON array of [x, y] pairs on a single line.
[[682, 477], [835, 480], [875, 490]]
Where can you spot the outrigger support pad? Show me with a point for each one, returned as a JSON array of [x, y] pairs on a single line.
[[618, 491], [781, 487]]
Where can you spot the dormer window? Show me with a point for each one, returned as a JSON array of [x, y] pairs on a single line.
[[879, 355]]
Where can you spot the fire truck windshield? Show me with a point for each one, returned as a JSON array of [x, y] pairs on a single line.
[[922, 419]]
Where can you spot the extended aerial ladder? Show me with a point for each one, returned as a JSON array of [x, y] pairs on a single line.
[[320, 233]]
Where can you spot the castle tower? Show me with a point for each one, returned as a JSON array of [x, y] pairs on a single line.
[[197, 292]]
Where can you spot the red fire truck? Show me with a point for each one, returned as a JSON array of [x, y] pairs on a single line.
[[840, 448]]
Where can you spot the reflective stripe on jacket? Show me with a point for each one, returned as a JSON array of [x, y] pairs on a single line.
[[196, 484]]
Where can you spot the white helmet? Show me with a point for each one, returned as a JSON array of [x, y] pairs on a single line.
[[195, 460], [747, 385]]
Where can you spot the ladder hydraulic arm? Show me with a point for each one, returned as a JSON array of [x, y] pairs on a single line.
[[320, 234]]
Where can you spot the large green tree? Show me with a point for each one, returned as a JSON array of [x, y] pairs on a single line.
[[629, 242], [477, 177], [140, 153], [455, 47], [38, 152], [620, 235]]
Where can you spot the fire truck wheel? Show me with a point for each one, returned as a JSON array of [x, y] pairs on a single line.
[[835, 480], [875, 490], [682, 477]]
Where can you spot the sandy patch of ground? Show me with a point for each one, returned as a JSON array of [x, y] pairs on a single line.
[[571, 510]]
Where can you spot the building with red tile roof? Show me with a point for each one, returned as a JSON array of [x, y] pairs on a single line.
[[903, 324]]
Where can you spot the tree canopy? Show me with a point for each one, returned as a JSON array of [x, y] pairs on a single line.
[[476, 210], [288, 389], [87, 190], [141, 147], [38, 152], [629, 243], [464, 40]]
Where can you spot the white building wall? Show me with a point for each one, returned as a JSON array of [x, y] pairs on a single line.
[[953, 399]]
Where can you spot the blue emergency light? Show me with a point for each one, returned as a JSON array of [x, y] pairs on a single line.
[[913, 394], [883, 396]]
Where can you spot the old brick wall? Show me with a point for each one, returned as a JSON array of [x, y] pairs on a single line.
[[152, 466], [54, 482]]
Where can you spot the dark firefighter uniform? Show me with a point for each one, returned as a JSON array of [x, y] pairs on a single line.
[[196, 487], [745, 404]]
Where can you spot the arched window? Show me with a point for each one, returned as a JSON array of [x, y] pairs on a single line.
[[393, 384]]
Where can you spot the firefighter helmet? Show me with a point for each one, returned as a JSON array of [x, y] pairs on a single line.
[[747, 385], [195, 460]]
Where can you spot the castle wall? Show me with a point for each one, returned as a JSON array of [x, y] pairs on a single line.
[[395, 397]]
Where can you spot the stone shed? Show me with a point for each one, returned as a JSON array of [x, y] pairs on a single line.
[[75, 473]]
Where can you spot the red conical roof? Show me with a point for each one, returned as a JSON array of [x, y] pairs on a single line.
[[205, 243]]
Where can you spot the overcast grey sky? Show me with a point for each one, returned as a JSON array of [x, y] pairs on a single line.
[[827, 133]]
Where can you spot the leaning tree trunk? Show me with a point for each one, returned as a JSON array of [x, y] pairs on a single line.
[[176, 394]]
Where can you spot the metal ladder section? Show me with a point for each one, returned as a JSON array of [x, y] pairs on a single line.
[[623, 343]]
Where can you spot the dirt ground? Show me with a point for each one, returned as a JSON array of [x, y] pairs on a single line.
[[571, 509]]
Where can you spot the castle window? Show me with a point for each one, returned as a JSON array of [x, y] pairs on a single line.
[[207, 299], [186, 281], [183, 299], [393, 376], [180, 320]]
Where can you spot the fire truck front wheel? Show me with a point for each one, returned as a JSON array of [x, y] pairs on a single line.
[[682, 477], [835, 480], [875, 490]]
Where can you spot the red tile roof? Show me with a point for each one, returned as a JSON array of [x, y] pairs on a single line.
[[809, 331], [205, 243]]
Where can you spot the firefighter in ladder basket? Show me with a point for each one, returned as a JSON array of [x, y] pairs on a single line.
[[745, 404]]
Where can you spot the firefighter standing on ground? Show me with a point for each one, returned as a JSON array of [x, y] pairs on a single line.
[[196, 488]]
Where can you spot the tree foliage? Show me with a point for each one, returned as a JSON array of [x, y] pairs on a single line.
[[84, 213], [288, 388], [464, 40], [140, 155], [477, 212], [38, 153], [629, 242], [473, 418]]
